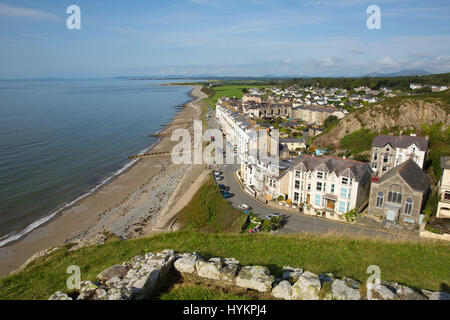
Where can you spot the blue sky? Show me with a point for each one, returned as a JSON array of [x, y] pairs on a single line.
[[222, 37]]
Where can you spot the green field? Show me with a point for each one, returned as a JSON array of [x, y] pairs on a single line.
[[229, 91], [421, 265]]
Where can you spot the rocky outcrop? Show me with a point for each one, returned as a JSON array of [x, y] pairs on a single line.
[[283, 290], [307, 287], [144, 275], [344, 290], [408, 114], [256, 278]]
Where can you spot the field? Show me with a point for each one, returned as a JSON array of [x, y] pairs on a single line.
[[420, 265], [229, 91]]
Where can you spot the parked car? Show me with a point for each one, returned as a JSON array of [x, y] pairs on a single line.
[[226, 194], [244, 207], [272, 215]]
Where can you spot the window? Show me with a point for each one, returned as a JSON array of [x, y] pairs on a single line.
[[297, 184], [344, 193], [344, 180], [380, 197], [408, 206], [375, 156], [375, 166], [332, 188], [295, 197], [319, 186], [320, 175], [341, 206], [385, 159], [318, 200], [309, 186], [447, 195], [297, 174], [395, 194], [384, 168]]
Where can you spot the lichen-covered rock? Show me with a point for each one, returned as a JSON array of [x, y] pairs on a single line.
[[380, 292], [403, 292], [87, 290], [256, 278], [186, 262], [99, 294], [307, 287], [283, 290], [291, 274], [114, 271], [437, 295], [340, 290], [209, 269], [122, 293], [59, 295]]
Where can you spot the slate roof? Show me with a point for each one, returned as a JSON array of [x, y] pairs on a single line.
[[400, 141], [342, 167], [411, 173]]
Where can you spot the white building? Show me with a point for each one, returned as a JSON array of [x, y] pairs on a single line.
[[391, 151], [443, 210]]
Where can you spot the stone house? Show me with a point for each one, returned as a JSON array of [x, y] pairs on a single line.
[[390, 151], [443, 210], [400, 194]]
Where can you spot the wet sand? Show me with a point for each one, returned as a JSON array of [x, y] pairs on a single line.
[[128, 206]]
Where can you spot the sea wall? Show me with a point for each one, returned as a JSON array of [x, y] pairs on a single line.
[[145, 275]]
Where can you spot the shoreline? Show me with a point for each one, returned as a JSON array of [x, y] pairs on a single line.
[[101, 208]]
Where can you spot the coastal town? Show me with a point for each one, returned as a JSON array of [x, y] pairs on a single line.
[[229, 154], [390, 188]]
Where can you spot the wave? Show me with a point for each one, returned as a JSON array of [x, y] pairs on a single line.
[[16, 236]]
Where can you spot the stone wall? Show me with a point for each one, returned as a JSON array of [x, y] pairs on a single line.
[[144, 276]]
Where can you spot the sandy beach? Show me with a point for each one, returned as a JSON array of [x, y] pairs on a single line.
[[130, 206]]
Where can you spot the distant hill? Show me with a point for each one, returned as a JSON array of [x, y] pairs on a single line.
[[403, 73]]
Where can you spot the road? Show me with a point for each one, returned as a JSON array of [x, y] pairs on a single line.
[[296, 223]]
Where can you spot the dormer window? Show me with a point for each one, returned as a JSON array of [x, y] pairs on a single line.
[[344, 180], [320, 175]]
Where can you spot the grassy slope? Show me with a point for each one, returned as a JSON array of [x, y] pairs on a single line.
[[195, 292], [421, 265], [208, 211]]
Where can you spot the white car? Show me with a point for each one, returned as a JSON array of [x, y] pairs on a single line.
[[244, 207]]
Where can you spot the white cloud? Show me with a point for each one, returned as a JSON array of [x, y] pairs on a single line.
[[21, 12]]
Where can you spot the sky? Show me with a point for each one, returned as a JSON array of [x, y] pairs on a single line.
[[222, 38]]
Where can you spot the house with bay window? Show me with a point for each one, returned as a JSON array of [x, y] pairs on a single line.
[[400, 194], [328, 186]]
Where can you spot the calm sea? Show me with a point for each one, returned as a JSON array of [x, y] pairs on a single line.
[[61, 139]]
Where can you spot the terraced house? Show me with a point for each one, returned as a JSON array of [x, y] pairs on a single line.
[[328, 186], [390, 151], [400, 194]]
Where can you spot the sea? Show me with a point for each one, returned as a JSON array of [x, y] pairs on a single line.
[[60, 140]]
